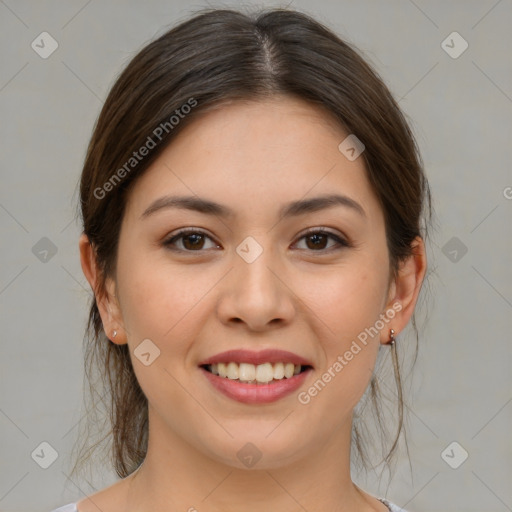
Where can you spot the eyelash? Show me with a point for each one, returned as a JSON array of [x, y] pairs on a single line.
[[342, 243]]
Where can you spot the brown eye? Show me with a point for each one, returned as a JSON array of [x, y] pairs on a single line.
[[191, 241], [194, 241], [317, 240]]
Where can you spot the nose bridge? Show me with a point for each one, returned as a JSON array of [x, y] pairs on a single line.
[[255, 293], [253, 262]]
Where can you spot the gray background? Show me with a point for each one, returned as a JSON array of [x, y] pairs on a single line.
[[461, 111]]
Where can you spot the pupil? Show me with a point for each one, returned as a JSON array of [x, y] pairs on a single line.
[[316, 237], [196, 237]]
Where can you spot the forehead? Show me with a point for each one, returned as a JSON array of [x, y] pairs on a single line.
[[256, 155]]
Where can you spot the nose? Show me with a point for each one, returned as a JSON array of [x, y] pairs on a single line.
[[257, 294]]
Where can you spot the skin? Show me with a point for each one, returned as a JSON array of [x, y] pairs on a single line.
[[253, 157]]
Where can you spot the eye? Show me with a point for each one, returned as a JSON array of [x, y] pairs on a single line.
[[192, 240], [316, 240]]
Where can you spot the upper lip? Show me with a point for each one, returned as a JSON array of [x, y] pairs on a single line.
[[252, 357]]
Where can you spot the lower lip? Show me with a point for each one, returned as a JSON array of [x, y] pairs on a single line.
[[256, 393]]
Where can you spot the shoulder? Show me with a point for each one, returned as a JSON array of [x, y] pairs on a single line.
[[396, 508], [392, 507], [111, 499], [70, 507], [106, 499]]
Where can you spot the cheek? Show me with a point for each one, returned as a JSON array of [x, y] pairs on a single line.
[[348, 303], [160, 304], [346, 300], [156, 297], [169, 306]]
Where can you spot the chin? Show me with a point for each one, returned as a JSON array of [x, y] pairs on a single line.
[[258, 452]]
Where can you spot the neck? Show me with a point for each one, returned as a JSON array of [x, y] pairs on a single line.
[[178, 476]]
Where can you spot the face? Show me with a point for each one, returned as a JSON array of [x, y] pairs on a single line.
[[260, 273]]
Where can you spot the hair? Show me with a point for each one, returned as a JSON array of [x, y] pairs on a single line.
[[216, 57]]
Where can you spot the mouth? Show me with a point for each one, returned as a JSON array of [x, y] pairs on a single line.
[[261, 374], [256, 377]]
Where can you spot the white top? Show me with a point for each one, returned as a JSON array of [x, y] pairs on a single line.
[[71, 507]]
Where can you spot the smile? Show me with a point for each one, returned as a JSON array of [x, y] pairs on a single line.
[[255, 374], [251, 384]]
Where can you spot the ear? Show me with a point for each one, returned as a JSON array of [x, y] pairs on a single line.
[[404, 290], [106, 300]]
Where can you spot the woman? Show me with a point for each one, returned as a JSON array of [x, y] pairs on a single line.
[[253, 205]]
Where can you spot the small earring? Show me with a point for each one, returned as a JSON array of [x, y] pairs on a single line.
[[392, 336], [114, 334]]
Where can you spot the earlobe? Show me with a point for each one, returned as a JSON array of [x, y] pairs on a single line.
[[121, 340]]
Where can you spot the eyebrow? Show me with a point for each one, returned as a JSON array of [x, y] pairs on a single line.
[[292, 209]]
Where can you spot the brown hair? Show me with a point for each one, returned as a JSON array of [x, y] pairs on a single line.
[[219, 56]]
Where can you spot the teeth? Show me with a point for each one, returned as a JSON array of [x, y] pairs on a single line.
[[232, 371], [262, 373], [246, 372], [278, 371]]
